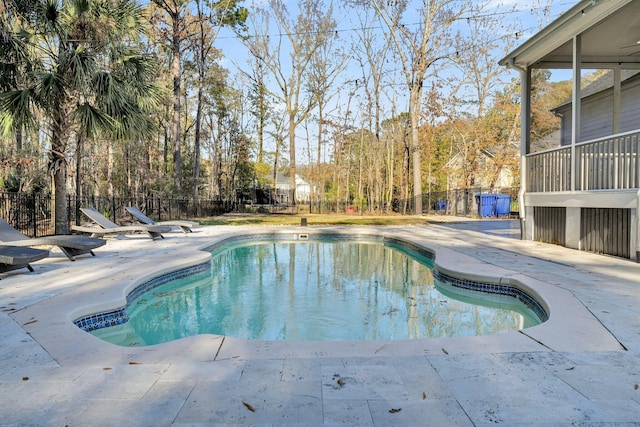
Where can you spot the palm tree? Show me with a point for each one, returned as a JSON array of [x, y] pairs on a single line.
[[86, 77]]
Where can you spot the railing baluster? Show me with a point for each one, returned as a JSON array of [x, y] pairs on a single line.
[[616, 161], [611, 163], [634, 171], [579, 168]]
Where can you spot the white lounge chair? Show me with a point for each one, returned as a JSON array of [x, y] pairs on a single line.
[[71, 246], [15, 257], [105, 226], [186, 226]]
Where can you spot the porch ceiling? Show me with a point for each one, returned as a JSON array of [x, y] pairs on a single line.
[[610, 32]]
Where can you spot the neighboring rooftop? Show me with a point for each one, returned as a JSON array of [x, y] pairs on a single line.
[[605, 82]]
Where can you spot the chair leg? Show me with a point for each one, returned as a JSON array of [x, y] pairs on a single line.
[[67, 253]]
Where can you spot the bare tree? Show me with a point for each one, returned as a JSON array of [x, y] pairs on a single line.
[[420, 43], [175, 10], [485, 38], [541, 9], [303, 35], [326, 65], [372, 54], [260, 102], [211, 16]]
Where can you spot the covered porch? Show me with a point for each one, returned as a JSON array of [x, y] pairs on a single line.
[[585, 193]]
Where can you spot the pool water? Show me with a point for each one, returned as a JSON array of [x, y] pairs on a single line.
[[325, 289]]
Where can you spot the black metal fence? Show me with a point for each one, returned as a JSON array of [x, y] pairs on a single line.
[[31, 213], [154, 207], [470, 202]]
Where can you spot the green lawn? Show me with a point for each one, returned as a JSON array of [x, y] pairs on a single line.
[[316, 219]]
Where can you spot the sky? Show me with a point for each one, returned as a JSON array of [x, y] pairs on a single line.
[[527, 14], [519, 21]]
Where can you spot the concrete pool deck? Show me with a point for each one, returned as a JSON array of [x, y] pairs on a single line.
[[582, 368]]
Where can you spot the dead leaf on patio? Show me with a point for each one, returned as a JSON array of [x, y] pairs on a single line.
[[394, 410], [636, 386], [106, 369], [25, 378], [382, 348], [248, 406], [424, 396], [445, 351]]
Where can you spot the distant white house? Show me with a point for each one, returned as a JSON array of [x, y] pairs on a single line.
[[489, 174], [283, 188]]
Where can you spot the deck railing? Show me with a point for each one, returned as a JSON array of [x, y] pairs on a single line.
[[611, 163], [549, 170]]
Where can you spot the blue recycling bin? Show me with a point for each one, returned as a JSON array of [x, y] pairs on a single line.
[[503, 204], [486, 205], [442, 205]]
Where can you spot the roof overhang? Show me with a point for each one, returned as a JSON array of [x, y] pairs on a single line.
[[610, 31]]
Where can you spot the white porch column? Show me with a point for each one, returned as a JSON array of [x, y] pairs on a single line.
[[635, 231], [572, 229], [526, 215], [575, 105]]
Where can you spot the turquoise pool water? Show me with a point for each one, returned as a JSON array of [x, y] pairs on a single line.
[[326, 289]]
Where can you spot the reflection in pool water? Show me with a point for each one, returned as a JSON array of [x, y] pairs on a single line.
[[317, 290]]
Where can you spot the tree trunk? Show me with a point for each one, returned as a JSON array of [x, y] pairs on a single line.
[[320, 130], [58, 167], [292, 155], [405, 178], [261, 125], [177, 76], [275, 170], [60, 199], [19, 139], [414, 108], [317, 183], [110, 169], [127, 166], [361, 158], [390, 174], [196, 144], [79, 154], [95, 167]]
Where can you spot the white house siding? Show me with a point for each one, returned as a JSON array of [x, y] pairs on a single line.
[[597, 113], [283, 186], [630, 114], [597, 118]]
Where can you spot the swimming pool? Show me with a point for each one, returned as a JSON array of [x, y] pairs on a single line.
[[317, 288]]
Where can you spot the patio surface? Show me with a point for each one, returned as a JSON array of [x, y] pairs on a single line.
[[580, 368]]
